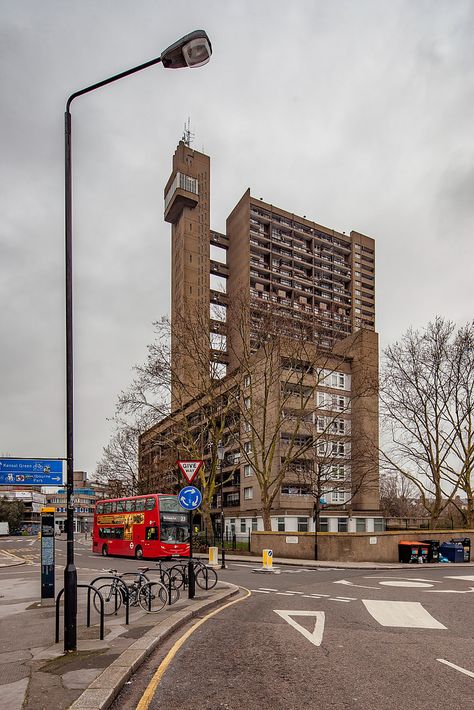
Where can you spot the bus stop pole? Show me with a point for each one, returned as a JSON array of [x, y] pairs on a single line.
[[191, 584]]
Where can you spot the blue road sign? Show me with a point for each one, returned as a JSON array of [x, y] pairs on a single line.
[[30, 472], [190, 497], [31, 465], [30, 479]]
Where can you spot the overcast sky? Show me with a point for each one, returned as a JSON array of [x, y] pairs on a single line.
[[356, 114]]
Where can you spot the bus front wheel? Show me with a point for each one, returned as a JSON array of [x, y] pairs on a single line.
[[104, 551], [138, 553]]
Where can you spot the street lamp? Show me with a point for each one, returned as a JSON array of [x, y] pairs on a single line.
[[193, 50], [220, 456]]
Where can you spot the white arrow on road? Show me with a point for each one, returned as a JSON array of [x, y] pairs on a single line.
[[316, 636], [351, 584]]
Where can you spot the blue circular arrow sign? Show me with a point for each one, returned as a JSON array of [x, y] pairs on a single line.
[[190, 497]]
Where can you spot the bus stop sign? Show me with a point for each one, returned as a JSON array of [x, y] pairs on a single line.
[[190, 498]]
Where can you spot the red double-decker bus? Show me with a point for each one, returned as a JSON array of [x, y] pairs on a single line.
[[152, 526]]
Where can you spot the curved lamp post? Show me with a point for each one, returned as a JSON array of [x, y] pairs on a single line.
[[193, 50]]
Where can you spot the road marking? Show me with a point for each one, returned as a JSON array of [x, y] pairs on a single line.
[[150, 690], [268, 589], [410, 579], [410, 615], [291, 592], [260, 591], [351, 584], [285, 594], [314, 637], [451, 591], [457, 668], [339, 600], [466, 578], [403, 583]]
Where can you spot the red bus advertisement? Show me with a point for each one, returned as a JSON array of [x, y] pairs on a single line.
[[152, 526]]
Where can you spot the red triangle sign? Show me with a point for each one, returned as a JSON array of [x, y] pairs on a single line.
[[189, 469]]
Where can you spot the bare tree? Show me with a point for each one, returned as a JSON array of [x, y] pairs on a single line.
[[178, 424], [289, 401], [427, 397], [118, 467]]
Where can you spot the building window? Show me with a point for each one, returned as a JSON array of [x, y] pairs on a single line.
[[281, 524], [247, 380], [247, 402], [323, 525], [302, 524], [378, 525], [254, 524], [360, 525], [248, 493], [248, 471], [321, 424], [248, 447], [338, 496], [342, 525], [243, 525], [246, 427], [295, 489]]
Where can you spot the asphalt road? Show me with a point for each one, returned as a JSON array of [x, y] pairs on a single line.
[[316, 639]]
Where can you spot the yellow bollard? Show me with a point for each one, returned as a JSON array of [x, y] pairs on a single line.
[[213, 556], [267, 559]]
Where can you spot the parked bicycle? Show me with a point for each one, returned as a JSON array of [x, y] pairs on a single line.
[[205, 577], [150, 595]]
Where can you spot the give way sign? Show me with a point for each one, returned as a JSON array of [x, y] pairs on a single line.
[[189, 469]]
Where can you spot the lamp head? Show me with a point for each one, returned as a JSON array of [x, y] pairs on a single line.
[[220, 451], [192, 50]]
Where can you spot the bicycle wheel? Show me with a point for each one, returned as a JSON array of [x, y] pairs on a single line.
[[205, 577], [152, 597], [112, 599], [177, 577], [165, 581]]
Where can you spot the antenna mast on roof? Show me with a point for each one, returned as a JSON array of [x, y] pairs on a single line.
[[188, 137]]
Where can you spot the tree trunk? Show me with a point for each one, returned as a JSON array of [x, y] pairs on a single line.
[[267, 521]]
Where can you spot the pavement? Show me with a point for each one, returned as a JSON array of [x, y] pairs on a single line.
[[35, 674]]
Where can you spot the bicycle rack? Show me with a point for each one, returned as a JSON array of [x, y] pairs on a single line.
[[101, 599], [125, 589]]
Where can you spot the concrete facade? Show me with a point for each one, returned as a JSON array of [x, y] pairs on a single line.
[[317, 287], [352, 547]]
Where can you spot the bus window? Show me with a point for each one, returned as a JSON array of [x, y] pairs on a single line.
[[118, 533], [150, 504], [151, 533], [120, 506], [113, 508], [100, 508], [130, 506], [107, 507], [140, 505]]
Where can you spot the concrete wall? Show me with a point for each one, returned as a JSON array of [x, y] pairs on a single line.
[[346, 547]]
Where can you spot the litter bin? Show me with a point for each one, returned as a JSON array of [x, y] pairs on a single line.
[[412, 551], [466, 544], [453, 551], [433, 550]]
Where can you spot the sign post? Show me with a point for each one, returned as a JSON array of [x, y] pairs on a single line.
[[47, 553], [190, 498]]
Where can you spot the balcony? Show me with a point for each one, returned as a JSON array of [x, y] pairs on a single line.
[[183, 192]]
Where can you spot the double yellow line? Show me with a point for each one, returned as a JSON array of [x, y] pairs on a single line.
[[161, 670]]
